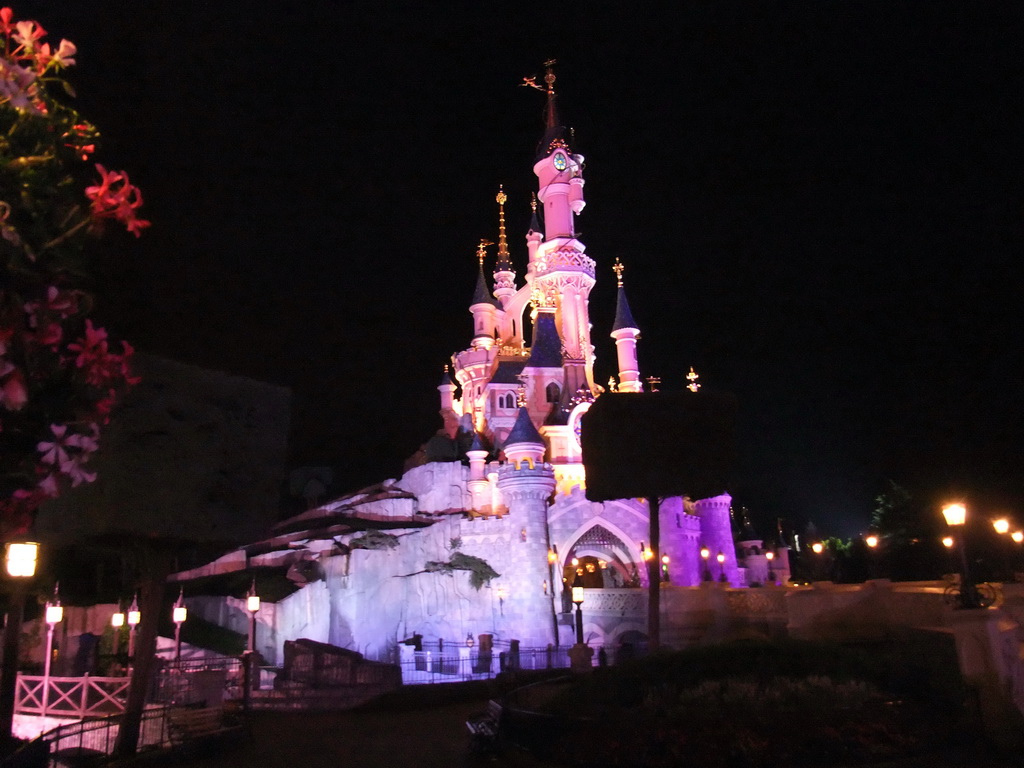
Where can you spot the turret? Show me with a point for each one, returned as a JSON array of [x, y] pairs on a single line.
[[626, 334], [526, 483], [448, 411], [535, 235], [483, 306], [478, 485]]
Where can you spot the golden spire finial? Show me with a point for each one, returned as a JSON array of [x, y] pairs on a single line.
[[549, 78], [618, 268], [481, 250], [502, 242], [533, 202]]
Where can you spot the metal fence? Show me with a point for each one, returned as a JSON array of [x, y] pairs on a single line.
[[450, 663]]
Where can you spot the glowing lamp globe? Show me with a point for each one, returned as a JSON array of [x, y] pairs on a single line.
[[117, 620], [252, 603], [955, 514], [871, 541], [817, 547], [54, 614], [180, 614], [1017, 536], [769, 555], [720, 557], [705, 552], [947, 542], [1002, 525], [21, 558]]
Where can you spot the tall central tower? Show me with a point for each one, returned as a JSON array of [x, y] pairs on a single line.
[[562, 273]]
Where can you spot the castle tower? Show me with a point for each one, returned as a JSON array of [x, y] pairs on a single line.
[[626, 334], [526, 483], [482, 306], [716, 534], [560, 267]]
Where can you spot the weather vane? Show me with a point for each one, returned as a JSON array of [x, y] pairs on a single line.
[[549, 78], [481, 250], [618, 268]]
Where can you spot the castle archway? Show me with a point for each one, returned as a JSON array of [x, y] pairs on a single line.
[[601, 559]]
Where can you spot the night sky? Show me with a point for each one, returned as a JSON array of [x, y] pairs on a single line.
[[818, 204]]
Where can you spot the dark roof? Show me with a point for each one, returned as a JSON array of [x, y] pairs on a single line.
[[623, 317], [546, 351], [477, 444], [534, 223], [523, 431], [480, 294], [508, 372], [446, 379]]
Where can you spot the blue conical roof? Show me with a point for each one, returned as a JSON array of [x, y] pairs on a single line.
[[546, 351], [480, 294], [523, 430], [623, 317]]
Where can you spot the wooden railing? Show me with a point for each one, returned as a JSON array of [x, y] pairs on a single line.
[[77, 697]]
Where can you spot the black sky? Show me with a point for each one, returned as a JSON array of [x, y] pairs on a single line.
[[818, 203]]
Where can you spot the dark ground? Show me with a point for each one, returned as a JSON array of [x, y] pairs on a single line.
[[427, 737]]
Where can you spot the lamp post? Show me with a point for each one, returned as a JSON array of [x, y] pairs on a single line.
[[577, 600], [20, 560], [770, 557], [956, 517], [720, 557], [178, 615], [705, 553], [134, 617], [117, 622], [54, 615], [252, 605]]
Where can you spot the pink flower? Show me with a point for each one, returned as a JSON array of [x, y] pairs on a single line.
[[115, 197], [28, 33], [13, 392], [73, 468], [48, 486], [53, 452], [17, 86]]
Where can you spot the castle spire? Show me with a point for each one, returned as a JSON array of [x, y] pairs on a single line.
[[625, 333], [483, 305], [549, 78], [504, 274]]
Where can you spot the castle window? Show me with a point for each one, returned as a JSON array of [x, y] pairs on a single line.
[[507, 401], [554, 394]]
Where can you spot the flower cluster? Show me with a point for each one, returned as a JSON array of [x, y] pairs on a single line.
[[60, 375], [26, 60]]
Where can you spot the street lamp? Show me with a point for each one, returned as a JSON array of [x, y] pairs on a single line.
[[252, 605], [956, 517], [20, 560], [770, 557], [117, 621], [54, 615], [817, 547], [134, 617], [577, 600], [705, 553], [721, 566], [1002, 525], [178, 616], [871, 541], [664, 567]]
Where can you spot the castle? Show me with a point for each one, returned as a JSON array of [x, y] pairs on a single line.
[[489, 524]]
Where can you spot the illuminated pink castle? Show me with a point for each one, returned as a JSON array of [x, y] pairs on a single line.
[[490, 523]]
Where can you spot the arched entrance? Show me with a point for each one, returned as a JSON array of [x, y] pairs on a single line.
[[601, 560]]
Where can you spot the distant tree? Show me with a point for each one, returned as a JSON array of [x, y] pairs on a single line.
[[192, 464], [909, 546]]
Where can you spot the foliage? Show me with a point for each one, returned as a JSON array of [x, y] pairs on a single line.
[[59, 374], [374, 540], [480, 573], [755, 704], [893, 514]]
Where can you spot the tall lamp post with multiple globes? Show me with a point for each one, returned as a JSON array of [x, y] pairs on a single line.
[[20, 562], [705, 553], [956, 518]]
